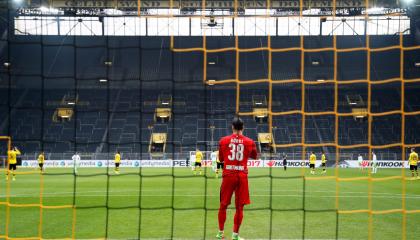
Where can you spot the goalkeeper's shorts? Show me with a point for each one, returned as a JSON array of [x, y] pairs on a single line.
[[235, 183]]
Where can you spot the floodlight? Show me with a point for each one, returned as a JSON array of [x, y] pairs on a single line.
[[315, 63]]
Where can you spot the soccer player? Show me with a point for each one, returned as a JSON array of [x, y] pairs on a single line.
[[413, 159], [12, 155], [41, 159], [234, 151], [76, 162], [312, 160], [216, 162], [284, 161], [198, 158], [324, 162], [360, 162], [374, 163], [117, 161], [213, 160], [219, 164]]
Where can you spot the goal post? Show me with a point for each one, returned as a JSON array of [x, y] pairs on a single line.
[[5, 146]]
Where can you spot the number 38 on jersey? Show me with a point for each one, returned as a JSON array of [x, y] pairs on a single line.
[[236, 152]]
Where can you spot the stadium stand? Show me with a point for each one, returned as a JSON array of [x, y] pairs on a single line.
[[128, 106], [188, 127]]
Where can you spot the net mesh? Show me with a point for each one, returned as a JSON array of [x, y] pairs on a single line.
[[306, 113], [71, 45]]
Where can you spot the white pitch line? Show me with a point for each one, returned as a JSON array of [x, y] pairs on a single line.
[[201, 196], [186, 191], [120, 193]]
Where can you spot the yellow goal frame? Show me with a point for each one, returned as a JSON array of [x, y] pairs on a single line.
[[39, 205], [9, 146]]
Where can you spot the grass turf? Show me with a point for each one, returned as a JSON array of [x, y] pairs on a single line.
[[185, 206]]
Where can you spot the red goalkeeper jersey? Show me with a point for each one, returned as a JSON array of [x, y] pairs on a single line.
[[234, 151]]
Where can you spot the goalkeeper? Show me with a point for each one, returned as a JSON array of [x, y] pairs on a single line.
[[234, 153]]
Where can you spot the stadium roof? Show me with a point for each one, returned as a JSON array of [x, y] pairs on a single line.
[[209, 4]]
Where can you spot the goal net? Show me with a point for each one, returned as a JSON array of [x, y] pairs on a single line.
[[77, 92]]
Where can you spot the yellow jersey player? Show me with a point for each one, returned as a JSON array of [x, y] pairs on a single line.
[[198, 159], [312, 160], [324, 162], [413, 159], [117, 161], [12, 155], [41, 159]]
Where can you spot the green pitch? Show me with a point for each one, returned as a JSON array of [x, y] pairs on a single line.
[[177, 205]]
